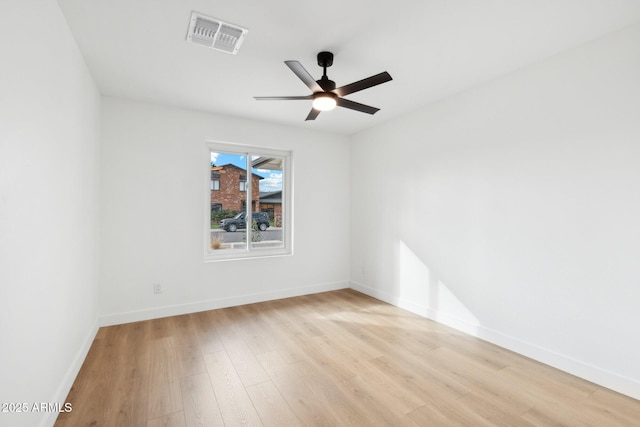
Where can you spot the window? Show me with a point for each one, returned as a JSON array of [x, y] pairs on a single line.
[[248, 204], [215, 178]]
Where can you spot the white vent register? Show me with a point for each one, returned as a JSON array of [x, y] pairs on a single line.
[[215, 34]]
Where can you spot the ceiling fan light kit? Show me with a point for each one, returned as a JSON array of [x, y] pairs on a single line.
[[324, 101], [325, 95]]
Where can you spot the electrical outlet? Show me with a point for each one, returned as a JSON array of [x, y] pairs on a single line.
[[157, 288]]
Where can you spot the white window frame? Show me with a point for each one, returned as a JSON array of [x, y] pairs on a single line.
[[287, 202]]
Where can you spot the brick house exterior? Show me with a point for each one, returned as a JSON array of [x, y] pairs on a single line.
[[226, 188], [271, 202]]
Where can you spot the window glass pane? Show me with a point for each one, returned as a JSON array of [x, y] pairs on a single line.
[[268, 209], [228, 224], [215, 178]]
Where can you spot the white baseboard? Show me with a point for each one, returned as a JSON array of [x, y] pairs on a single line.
[[194, 307], [611, 380], [63, 390]]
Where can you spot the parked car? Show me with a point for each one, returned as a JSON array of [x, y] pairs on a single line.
[[238, 221]]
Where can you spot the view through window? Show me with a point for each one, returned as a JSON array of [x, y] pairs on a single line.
[[248, 210]]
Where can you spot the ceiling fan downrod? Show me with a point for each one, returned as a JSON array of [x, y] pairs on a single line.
[[325, 60]]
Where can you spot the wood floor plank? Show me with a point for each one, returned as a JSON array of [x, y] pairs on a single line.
[[175, 419], [392, 330], [334, 327], [544, 384], [495, 411], [359, 332], [448, 413], [623, 409], [230, 322], [234, 402], [165, 396], [316, 398], [340, 403], [94, 379], [255, 332], [285, 343], [375, 402], [422, 380], [399, 400], [244, 361], [200, 404], [482, 378], [161, 328], [377, 382], [302, 399], [190, 360], [271, 361], [271, 406], [305, 320], [556, 414], [132, 380], [182, 330], [329, 359], [204, 327], [586, 411]]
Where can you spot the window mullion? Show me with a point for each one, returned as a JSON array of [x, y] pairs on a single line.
[[249, 208]]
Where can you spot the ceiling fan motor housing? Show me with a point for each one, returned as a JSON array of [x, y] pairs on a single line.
[[326, 84]]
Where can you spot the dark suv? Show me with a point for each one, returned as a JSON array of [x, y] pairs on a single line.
[[238, 222]]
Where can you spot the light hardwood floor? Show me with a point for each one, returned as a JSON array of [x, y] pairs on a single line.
[[330, 359]]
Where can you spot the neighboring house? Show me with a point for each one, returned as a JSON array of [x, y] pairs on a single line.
[[271, 202], [229, 188]]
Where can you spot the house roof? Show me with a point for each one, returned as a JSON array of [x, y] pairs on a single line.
[[432, 48], [273, 163], [271, 197]]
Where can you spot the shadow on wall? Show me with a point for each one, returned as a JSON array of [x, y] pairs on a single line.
[[418, 289]]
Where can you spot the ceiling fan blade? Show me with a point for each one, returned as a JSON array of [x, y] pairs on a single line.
[[304, 75], [356, 106], [312, 114], [363, 84], [282, 98]]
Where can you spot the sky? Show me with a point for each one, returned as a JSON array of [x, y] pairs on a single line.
[[272, 178]]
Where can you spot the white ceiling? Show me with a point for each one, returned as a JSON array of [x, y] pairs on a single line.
[[432, 48]]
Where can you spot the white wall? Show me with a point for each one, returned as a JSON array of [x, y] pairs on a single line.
[[49, 210], [511, 211], [153, 206]]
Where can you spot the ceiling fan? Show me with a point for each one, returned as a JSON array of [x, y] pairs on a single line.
[[325, 95]]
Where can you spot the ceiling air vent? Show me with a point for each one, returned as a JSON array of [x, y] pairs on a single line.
[[213, 33]]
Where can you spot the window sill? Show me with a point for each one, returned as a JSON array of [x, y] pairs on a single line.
[[237, 255]]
